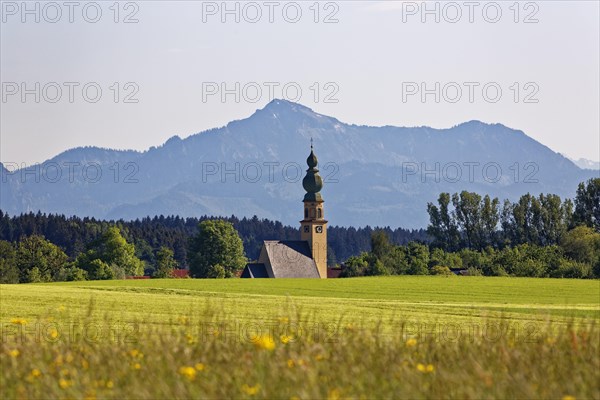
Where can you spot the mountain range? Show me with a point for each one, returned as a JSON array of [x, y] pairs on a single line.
[[378, 176], [584, 163]]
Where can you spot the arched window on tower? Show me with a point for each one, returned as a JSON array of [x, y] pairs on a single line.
[[312, 213], [319, 213], [306, 213]]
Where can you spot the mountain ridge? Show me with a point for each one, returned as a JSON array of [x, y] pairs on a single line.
[[367, 171]]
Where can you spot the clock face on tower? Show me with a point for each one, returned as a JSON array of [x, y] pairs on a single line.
[[319, 229], [306, 228]]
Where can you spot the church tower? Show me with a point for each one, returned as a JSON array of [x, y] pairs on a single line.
[[313, 228]]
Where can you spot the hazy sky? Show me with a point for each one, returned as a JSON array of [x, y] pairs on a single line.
[[373, 58]]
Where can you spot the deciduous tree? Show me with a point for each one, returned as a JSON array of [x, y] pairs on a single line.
[[217, 243]]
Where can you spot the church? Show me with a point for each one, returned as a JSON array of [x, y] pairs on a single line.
[[304, 258]]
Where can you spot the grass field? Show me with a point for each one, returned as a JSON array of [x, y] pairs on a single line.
[[417, 337]]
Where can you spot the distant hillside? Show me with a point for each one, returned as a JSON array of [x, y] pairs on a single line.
[[373, 175], [584, 163]]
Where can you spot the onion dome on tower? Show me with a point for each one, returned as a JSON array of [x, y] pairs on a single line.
[[312, 182]]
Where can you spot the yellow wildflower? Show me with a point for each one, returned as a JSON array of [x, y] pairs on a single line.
[[53, 333], [265, 342], [18, 321], [64, 383], [290, 363], [136, 353], [188, 372], [35, 373], [568, 397], [190, 338], [250, 390], [284, 320], [199, 367], [319, 357], [412, 342], [109, 384], [334, 394], [425, 368], [14, 353], [285, 339], [61, 308], [137, 366]]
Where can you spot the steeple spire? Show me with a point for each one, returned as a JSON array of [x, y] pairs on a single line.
[[312, 182]]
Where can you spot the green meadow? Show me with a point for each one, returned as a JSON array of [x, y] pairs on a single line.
[[376, 299], [405, 336]]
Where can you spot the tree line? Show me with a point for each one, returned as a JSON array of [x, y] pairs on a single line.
[[577, 256], [468, 220], [540, 236], [35, 259], [160, 243], [536, 236]]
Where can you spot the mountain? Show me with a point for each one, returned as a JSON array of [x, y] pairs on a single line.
[[584, 163], [373, 175]]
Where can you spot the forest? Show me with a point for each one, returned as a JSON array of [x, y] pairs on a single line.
[[538, 236], [74, 236]]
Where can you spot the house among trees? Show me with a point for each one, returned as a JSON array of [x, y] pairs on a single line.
[[304, 258]]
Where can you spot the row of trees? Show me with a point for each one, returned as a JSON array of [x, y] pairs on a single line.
[[467, 220], [539, 236], [149, 235], [577, 256], [216, 251], [35, 259]]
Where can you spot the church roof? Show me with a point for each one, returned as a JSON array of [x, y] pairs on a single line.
[[291, 259], [256, 270]]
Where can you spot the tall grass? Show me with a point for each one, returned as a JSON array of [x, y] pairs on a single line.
[[209, 355]]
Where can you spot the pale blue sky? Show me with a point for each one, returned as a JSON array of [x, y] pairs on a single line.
[[370, 54]]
